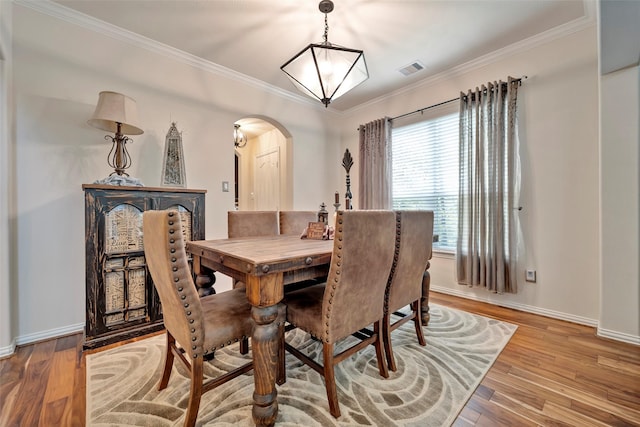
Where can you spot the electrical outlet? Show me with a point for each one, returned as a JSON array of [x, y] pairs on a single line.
[[530, 275]]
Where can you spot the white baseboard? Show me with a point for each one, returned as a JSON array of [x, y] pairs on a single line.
[[618, 336], [521, 307], [604, 333], [51, 333], [8, 350]]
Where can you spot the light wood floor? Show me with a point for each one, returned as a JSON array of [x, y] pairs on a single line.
[[552, 373]]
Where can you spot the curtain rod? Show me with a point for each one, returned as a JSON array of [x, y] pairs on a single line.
[[519, 80]]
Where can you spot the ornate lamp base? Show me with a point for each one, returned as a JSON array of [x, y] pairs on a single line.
[[123, 180]]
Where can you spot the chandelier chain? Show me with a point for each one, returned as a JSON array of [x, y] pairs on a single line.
[[326, 29]]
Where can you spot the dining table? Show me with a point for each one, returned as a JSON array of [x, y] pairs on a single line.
[[267, 265]]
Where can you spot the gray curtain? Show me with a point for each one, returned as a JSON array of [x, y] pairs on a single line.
[[374, 187], [489, 180]]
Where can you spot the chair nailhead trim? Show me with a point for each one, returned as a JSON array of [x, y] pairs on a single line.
[[336, 278]]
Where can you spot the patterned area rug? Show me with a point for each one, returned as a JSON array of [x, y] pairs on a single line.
[[430, 387]]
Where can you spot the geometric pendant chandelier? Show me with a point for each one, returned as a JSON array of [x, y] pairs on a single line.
[[326, 71]]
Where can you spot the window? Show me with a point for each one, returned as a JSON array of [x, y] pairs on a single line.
[[425, 173]]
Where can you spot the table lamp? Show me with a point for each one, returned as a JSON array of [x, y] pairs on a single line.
[[117, 113]]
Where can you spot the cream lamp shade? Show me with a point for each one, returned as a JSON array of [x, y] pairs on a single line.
[[114, 108]]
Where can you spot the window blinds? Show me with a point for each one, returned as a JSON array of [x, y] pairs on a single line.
[[425, 173]]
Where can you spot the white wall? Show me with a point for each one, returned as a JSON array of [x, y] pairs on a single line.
[[7, 317], [59, 70], [60, 67], [559, 154], [620, 189]]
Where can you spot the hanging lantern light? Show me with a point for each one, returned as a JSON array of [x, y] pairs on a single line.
[[239, 138], [326, 71]]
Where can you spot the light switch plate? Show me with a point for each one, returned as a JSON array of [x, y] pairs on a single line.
[[225, 186], [530, 275]]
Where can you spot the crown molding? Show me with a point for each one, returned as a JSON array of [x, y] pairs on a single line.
[[71, 16], [571, 27]]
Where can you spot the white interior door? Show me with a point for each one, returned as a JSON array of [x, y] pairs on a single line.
[[266, 180]]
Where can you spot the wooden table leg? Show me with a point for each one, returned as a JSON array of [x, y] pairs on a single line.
[[264, 345], [264, 294], [424, 301], [205, 278]]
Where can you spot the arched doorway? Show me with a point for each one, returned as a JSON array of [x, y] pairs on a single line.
[[263, 166]]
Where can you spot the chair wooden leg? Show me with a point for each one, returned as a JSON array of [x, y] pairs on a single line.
[[195, 393], [386, 339], [417, 319], [244, 346], [168, 362], [330, 379], [382, 365], [281, 373]]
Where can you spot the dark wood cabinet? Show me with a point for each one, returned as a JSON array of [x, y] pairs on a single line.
[[121, 301]]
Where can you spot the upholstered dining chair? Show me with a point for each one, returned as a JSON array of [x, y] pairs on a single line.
[[353, 296], [414, 238], [195, 327], [252, 223], [294, 222]]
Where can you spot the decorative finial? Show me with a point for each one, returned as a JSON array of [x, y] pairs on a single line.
[[347, 160]]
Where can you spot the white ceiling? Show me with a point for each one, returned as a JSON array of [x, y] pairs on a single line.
[[619, 34], [255, 37]]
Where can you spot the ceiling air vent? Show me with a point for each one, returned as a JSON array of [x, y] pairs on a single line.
[[411, 68]]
